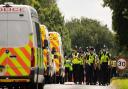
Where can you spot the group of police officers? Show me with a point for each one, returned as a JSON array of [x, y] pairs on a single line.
[[89, 67]]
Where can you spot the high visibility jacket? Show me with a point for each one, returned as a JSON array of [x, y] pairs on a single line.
[[91, 58], [81, 62], [75, 60], [68, 64], [104, 58]]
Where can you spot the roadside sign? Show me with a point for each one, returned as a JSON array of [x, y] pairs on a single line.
[[121, 63]]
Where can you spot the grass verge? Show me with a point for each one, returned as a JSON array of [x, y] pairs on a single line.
[[120, 83]]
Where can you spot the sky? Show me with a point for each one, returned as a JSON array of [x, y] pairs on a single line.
[[86, 8]]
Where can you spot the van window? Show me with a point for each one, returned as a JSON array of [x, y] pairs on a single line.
[[16, 33], [37, 35]]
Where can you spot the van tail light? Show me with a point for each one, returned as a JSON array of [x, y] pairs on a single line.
[[32, 57]]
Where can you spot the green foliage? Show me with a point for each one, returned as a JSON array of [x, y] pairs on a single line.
[[120, 83], [120, 20], [87, 32]]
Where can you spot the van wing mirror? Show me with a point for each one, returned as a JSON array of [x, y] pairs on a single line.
[[45, 43]]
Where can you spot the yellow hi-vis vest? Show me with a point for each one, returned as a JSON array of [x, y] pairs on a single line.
[[81, 61], [75, 60], [104, 58], [91, 59]]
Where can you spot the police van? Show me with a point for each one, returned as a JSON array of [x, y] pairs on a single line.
[[20, 47], [46, 53], [56, 45]]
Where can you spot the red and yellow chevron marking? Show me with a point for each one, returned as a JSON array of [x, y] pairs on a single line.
[[45, 53], [43, 31], [54, 44], [54, 41], [57, 64], [18, 65]]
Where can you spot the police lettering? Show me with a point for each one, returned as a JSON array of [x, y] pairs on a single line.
[[11, 9]]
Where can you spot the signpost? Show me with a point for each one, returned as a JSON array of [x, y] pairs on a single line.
[[122, 64]]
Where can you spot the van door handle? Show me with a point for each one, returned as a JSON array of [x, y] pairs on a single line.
[[13, 56]]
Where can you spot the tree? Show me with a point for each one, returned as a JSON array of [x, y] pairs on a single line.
[[119, 19], [87, 32]]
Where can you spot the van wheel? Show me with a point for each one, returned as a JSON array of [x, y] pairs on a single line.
[[40, 86], [62, 80], [17, 87], [34, 86], [9, 88], [25, 87]]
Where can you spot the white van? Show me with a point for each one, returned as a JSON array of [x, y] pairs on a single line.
[[20, 47]]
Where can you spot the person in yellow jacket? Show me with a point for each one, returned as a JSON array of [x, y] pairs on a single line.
[[68, 69], [81, 68], [104, 59], [75, 62], [90, 66]]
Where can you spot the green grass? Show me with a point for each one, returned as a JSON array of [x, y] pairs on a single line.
[[120, 83]]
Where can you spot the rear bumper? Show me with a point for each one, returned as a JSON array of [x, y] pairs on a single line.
[[13, 84], [15, 81]]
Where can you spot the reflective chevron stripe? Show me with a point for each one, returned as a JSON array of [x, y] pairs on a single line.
[[54, 44], [45, 58], [57, 63], [18, 61]]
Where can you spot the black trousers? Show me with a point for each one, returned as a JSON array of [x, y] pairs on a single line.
[[81, 74], [68, 74], [76, 71], [104, 72], [89, 74], [96, 75]]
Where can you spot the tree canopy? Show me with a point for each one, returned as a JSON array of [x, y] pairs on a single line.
[[81, 32], [87, 32], [119, 19]]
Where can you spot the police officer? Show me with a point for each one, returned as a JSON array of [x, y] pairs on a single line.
[[96, 70], [104, 66], [81, 69], [87, 65], [100, 72], [68, 69], [75, 63], [90, 67]]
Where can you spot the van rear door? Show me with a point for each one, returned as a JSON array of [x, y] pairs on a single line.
[[16, 52], [3, 41]]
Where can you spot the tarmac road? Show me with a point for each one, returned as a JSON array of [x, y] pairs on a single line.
[[73, 86]]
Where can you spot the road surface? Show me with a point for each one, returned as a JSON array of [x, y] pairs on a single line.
[[73, 86]]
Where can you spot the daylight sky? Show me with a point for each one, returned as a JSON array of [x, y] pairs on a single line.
[[87, 8]]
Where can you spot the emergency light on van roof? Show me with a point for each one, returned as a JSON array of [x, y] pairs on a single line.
[[11, 9]]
